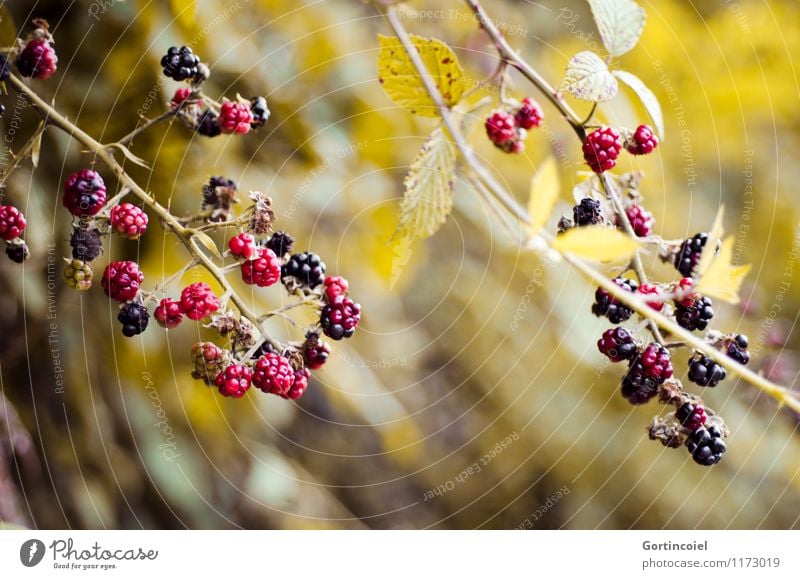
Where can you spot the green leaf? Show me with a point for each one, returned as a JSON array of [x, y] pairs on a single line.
[[404, 85], [588, 78], [596, 243], [620, 23], [8, 30], [723, 280], [544, 194], [647, 97], [428, 185]]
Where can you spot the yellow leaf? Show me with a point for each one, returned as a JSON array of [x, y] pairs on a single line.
[[207, 242], [711, 245], [404, 85], [544, 194], [428, 198], [723, 279], [596, 243]]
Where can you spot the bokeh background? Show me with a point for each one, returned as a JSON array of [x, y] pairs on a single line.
[[471, 350]]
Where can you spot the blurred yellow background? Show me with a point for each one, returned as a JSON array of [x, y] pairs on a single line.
[[473, 394]]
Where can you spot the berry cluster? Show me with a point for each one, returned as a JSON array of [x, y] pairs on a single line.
[[201, 113], [602, 147], [507, 128], [12, 224]]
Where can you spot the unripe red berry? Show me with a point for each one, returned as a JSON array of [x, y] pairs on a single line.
[[168, 313], [84, 193], [649, 289], [235, 117], [234, 380], [601, 149], [121, 280], [37, 59], [273, 374], [642, 142], [315, 351], [340, 317], [243, 246], [642, 221], [502, 130], [12, 222], [263, 271], [335, 286], [129, 220], [198, 301], [529, 115], [181, 94], [299, 385]]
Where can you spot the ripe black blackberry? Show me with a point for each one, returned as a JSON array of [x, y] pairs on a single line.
[[704, 371], [260, 112], [17, 251], [692, 416], [689, 254], [617, 344], [305, 269], [706, 445], [606, 305], [180, 63], [646, 373], [264, 348], [280, 243], [587, 212], [87, 243], [694, 313], [134, 318], [737, 349], [208, 124]]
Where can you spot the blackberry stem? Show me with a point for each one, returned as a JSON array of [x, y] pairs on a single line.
[[479, 172], [185, 235]]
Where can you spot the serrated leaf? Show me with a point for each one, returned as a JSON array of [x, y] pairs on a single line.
[[544, 193], [723, 280], [596, 243], [8, 30], [714, 235], [207, 242], [588, 78], [428, 197], [402, 82], [649, 100], [620, 23]]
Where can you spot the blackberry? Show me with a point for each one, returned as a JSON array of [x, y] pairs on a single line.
[[315, 351], [133, 317], [706, 445], [529, 114], [84, 193], [299, 385], [208, 124], [642, 142], [340, 317], [691, 415], [198, 301], [305, 269], [647, 289], [617, 344], [5, 68], [502, 130], [209, 360], [234, 380], [38, 59], [121, 280], [263, 271], [587, 212], [264, 348], [12, 222], [689, 254], [273, 374], [168, 313], [243, 246], [335, 285], [601, 149], [641, 220], [280, 243], [694, 313], [646, 373], [704, 371], [128, 220], [606, 305], [235, 117], [180, 63], [87, 243], [737, 349], [17, 251], [259, 111]]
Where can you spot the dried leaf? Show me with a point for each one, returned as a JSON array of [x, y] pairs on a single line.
[[36, 148], [620, 23], [723, 280], [649, 100], [588, 78], [207, 242], [428, 196], [714, 235], [404, 85], [596, 243], [544, 193]]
